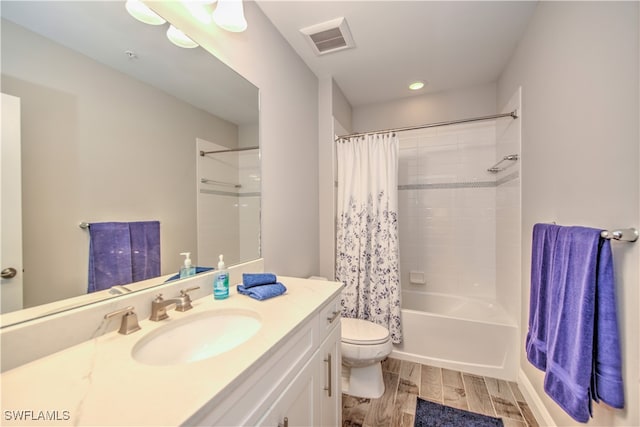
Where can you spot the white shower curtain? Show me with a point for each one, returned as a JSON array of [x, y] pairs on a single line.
[[367, 251]]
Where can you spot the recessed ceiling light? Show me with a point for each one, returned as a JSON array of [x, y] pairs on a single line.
[[416, 85]]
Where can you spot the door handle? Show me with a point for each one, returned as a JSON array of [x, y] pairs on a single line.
[[8, 273]]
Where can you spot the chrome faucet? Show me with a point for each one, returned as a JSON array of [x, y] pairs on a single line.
[[129, 320], [159, 305]]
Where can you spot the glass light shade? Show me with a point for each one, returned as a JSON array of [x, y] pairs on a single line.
[[198, 9], [142, 13], [229, 15], [179, 38], [416, 85]]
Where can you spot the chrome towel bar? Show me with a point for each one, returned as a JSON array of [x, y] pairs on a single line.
[[214, 182], [623, 234], [496, 169]]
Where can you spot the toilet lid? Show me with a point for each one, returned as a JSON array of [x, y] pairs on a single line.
[[363, 332]]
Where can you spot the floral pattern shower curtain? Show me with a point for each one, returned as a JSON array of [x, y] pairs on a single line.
[[367, 248]]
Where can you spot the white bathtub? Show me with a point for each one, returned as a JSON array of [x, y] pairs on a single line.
[[465, 334]]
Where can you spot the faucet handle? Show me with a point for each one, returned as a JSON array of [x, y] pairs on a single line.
[[184, 292], [129, 322], [185, 304]]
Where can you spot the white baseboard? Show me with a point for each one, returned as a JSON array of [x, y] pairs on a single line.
[[535, 403]]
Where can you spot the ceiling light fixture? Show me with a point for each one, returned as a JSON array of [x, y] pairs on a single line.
[[199, 9], [229, 15], [417, 85], [179, 38], [142, 13]]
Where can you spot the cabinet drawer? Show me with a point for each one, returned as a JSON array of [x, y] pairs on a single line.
[[329, 317]]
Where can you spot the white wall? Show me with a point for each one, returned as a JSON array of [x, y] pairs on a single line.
[[326, 190], [447, 209], [508, 212], [288, 132], [429, 108], [334, 118], [578, 65], [341, 108]]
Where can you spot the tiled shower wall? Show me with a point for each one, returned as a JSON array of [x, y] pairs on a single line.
[[228, 216], [447, 209]]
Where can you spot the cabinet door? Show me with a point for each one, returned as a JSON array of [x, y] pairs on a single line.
[[298, 403], [331, 380]]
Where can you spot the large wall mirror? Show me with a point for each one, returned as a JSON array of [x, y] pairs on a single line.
[[113, 120]]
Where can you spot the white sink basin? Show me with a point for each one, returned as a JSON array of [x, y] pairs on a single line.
[[197, 337]]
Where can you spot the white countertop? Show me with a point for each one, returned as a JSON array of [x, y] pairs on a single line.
[[99, 383]]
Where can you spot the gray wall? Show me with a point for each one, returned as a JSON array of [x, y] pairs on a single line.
[[288, 132], [340, 107], [429, 108], [97, 152], [578, 68]]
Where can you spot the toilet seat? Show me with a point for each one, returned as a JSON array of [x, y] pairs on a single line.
[[363, 332]]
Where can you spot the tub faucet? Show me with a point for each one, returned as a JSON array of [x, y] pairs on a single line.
[[159, 305]]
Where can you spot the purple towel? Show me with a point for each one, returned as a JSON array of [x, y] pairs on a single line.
[[145, 249], [573, 329], [543, 246], [121, 253], [109, 255], [607, 384], [250, 280]]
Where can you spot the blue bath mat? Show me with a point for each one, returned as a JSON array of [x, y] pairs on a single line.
[[429, 414]]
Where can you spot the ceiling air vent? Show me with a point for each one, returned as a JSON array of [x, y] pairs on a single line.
[[330, 36]]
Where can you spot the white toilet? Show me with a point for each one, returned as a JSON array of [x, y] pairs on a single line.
[[364, 345]]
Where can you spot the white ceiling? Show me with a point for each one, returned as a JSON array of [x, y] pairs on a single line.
[[449, 44], [103, 30]]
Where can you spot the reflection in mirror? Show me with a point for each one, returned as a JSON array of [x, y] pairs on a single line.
[[113, 119]]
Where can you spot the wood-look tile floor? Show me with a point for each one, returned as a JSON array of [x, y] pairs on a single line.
[[405, 381]]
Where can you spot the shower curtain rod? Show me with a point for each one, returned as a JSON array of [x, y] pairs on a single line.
[[513, 114], [230, 150]]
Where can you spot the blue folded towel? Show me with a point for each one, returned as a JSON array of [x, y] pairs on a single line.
[[573, 329], [250, 280], [198, 271], [263, 292]]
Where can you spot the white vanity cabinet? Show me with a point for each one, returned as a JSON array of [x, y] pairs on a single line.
[[289, 369], [298, 404], [331, 372], [313, 398], [298, 385]]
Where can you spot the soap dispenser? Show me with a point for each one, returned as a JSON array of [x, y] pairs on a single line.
[[187, 269], [221, 281]]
